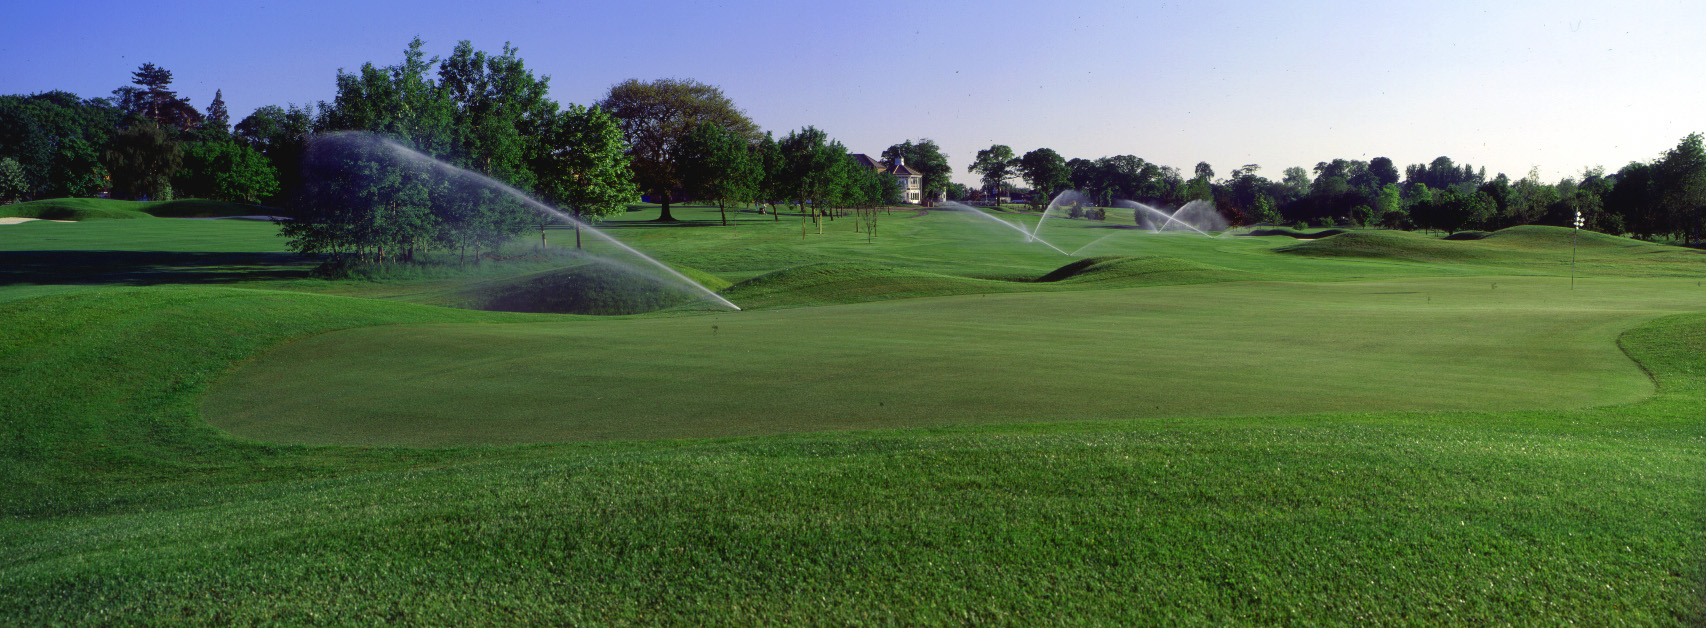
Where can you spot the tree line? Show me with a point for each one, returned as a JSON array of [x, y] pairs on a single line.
[[482, 122], [1664, 198]]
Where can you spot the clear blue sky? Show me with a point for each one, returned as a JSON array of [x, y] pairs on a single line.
[[1560, 85]]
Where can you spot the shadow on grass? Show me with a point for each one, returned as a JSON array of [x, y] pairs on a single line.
[[147, 268]]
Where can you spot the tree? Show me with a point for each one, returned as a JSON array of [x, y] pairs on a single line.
[[590, 174], [280, 134], [767, 158], [500, 113], [13, 185], [927, 158], [716, 166], [217, 120], [1046, 171], [655, 116], [59, 141], [226, 171], [155, 100], [1389, 207], [816, 170], [1383, 170], [1680, 182], [996, 166], [142, 161]]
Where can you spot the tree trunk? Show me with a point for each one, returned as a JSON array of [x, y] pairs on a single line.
[[577, 237], [666, 216], [724, 211]]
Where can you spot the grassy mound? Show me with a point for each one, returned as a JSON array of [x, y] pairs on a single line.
[[1541, 237], [1140, 271], [594, 288], [74, 209], [852, 282], [1467, 235], [1293, 233], [199, 208], [1387, 245], [100, 208]]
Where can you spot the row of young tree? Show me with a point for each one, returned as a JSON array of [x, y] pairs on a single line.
[[1660, 199]]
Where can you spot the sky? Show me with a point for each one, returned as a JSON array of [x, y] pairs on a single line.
[[1555, 85]]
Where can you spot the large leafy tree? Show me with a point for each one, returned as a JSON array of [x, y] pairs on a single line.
[[816, 170], [280, 134], [142, 160], [656, 115], [1680, 178], [59, 141], [717, 166], [225, 170], [1046, 171], [500, 112], [588, 173], [927, 158], [995, 166]]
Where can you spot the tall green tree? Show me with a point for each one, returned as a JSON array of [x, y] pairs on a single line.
[[1680, 178], [816, 170], [142, 160], [995, 166], [717, 166], [224, 170], [59, 140], [154, 99], [217, 120], [1046, 171], [590, 173], [280, 134], [655, 116]]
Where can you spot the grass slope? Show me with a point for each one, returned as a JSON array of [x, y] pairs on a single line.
[[125, 509]]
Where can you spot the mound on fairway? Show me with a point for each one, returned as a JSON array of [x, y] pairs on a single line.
[[1140, 270], [594, 288], [73, 209], [1387, 245], [825, 283], [1293, 233], [106, 208]]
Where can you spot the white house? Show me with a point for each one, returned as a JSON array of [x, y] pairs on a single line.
[[911, 181]]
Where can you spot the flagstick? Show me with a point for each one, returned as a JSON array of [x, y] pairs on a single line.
[[1573, 235]]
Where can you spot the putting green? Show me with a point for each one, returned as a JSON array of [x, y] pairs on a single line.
[[1252, 348]]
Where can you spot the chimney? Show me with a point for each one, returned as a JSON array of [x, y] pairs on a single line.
[[900, 160]]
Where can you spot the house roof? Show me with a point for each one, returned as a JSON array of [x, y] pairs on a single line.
[[865, 161]]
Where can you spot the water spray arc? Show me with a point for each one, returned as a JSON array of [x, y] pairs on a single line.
[[1029, 236], [405, 152]]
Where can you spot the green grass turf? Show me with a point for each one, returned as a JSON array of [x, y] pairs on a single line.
[[1199, 350], [123, 506]]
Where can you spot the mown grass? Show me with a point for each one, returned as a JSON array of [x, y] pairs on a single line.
[[132, 511], [123, 506]]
